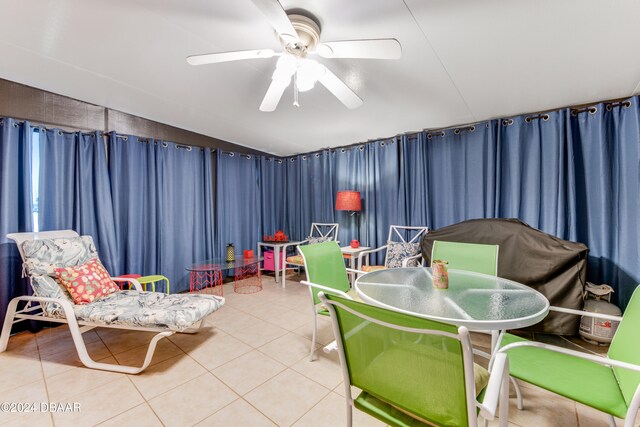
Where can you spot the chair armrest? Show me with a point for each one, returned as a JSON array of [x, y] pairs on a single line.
[[585, 313], [498, 378], [67, 307], [416, 257], [591, 357], [351, 270], [370, 251], [325, 289], [136, 285]]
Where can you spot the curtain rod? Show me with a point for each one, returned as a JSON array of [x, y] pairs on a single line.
[[544, 115], [231, 154]]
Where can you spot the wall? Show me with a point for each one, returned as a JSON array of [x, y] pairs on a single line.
[[41, 107]]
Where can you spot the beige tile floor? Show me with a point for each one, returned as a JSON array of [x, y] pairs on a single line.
[[247, 367]]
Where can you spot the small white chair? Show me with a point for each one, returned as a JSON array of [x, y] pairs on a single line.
[[320, 232], [403, 247]]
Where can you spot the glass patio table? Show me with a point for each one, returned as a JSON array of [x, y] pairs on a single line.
[[206, 276], [474, 300]]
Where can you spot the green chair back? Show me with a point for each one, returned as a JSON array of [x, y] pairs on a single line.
[[324, 265], [467, 256], [625, 347], [419, 373]]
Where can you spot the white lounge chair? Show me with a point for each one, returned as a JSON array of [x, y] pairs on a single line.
[[128, 309]]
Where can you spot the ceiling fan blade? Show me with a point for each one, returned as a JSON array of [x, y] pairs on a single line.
[[273, 95], [364, 49], [339, 89], [212, 58], [278, 19]]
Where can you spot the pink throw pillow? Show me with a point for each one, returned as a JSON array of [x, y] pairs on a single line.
[[87, 282]]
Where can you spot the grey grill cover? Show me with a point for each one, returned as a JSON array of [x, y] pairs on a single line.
[[556, 268]]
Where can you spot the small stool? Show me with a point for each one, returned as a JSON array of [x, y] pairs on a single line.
[[127, 276], [145, 280]]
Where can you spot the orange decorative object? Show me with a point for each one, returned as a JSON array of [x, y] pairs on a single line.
[[248, 253], [355, 244], [279, 236], [348, 201]]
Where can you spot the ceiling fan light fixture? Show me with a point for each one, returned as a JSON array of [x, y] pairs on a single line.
[[285, 68], [309, 72]]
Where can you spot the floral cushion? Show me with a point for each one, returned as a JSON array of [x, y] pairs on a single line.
[[87, 282], [296, 259], [314, 240], [46, 286], [397, 252], [370, 268], [45, 255], [176, 312]]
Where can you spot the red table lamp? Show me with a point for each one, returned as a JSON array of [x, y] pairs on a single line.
[[350, 201]]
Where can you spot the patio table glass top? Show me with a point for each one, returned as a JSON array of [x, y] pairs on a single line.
[[222, 264], [474, 300]]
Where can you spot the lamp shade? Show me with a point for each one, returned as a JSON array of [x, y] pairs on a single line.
[[348, 201]]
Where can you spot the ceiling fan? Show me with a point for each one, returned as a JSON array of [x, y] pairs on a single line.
[[300, 37]]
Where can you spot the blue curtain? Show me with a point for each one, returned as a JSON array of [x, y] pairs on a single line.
[[536, 176], [15, 205], [415, 176], [310, 195], [134, 187], [349, 174], [295, 226], [163, 199], [573, 175], [606, 145], [74, 189], [383, 197], [273, 176], [238, 209], [461, 168]]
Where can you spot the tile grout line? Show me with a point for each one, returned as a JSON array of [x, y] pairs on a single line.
[[265, 415], [310, 409], [44, 378]]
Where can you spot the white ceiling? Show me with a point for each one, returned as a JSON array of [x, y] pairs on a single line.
[[462, 61]]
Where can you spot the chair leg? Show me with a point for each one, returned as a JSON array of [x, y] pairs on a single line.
[[8, 323], [612, 420], [519, 400], [349, 415], [313, 335], [90, 363], [504, 399]]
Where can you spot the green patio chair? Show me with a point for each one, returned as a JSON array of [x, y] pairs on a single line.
[[610, 384], [474, 257], [413, 371], [467, 256], [324, 265]]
